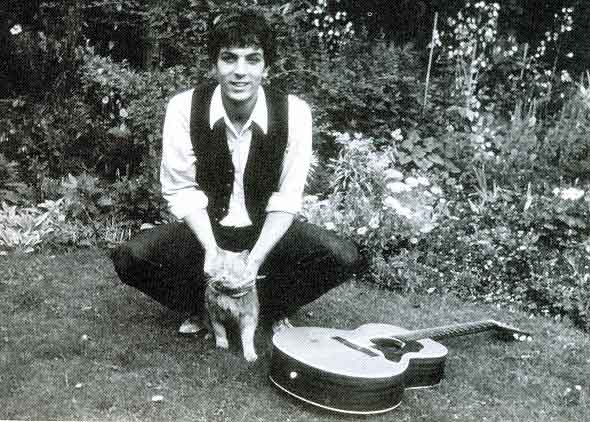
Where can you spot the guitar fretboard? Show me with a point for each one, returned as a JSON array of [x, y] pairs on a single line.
[[446, 331]]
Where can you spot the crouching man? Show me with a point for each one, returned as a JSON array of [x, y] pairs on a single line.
[[235, 158]]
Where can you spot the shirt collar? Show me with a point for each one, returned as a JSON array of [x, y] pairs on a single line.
[[259, 114]]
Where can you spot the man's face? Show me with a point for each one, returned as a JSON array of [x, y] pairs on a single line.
[[239, 71]]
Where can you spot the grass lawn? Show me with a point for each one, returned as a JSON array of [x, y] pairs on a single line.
[[75, 344]]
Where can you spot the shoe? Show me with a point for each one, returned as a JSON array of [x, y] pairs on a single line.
[[192, 325]]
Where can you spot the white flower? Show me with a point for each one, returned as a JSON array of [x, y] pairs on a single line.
[[123, 113], [391, 202], [374, 222], [397, 135], [393, 174], [397, 187], [361, 231], [427, 228], [412, 182], [435, 190], [571, 194], [394, 204], [330, 226], [423, 181], [16, 29], [105, 99]]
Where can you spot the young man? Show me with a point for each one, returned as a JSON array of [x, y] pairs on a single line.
[[235, 159]]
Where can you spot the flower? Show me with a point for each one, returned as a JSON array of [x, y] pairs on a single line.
[[394, 204], [571, 194], [393, 174], [374, 222], [397, 135], [105, 99], [123, 113], [397, 187], [435, 190], [423, 181], [330, 226], [412, 182], [16, 29], [361, 231]]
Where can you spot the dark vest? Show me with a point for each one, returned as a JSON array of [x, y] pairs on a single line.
[[214, 167]]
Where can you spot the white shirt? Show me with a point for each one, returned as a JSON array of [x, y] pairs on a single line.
[[177, 169]]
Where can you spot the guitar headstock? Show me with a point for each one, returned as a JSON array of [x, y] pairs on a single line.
[[507, 332]]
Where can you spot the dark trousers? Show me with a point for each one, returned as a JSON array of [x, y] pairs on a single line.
[[166, 263]]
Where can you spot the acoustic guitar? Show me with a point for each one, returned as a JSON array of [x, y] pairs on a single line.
[[366, 370]]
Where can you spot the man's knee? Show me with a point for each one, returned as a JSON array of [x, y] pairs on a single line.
[[347, 256], [126, 261]]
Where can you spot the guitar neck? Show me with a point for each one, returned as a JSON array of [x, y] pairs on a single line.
[[447, 331]]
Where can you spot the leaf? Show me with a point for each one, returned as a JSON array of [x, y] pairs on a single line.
[[404, 159], [436, 159]]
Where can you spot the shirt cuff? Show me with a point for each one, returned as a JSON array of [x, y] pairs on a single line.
[[183, 202], [284, 202]]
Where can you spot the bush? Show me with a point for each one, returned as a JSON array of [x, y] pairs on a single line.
[[12, 190], [51, 139], [513, 249], [372, 202], [131, 107]]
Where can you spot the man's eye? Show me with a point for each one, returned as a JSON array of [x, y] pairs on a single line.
[[228, 58], [254, 59]]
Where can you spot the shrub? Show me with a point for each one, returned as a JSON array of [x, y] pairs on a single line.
[[12, 190], [512, 249], [131, 106], [23, 229], [374, 203], [50, 139]]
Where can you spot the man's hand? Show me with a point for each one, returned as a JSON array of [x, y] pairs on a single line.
[[252, 268], [210, 264]]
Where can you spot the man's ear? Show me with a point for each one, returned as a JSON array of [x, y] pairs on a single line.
[[212, 72], [265, 73]]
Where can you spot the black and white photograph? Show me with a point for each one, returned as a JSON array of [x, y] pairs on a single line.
[[295, 210]]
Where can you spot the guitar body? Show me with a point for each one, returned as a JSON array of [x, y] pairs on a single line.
[[361, 371]]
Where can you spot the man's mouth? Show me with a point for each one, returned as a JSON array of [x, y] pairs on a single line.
[[239, 84]]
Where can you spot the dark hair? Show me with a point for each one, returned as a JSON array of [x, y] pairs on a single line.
[[241, 28]]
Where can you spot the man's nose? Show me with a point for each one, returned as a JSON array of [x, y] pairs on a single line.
[[240, 68]]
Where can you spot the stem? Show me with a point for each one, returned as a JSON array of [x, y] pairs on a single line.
[[524, 56], [434, 30]]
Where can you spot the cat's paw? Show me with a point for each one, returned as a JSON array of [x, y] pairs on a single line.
[[221, 343], [250, 356]]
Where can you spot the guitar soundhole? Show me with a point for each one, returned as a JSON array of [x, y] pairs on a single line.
[[388, 342], [393, 349]]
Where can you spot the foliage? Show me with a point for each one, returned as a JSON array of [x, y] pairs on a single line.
[[384, 95], [43, 61], [24, 228], [565, 144], [12, 190], [511, 249], [131, 107], [492, 72], [372, 202], [50, 139]]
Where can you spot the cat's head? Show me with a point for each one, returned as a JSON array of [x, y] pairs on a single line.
[[230, 268]]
